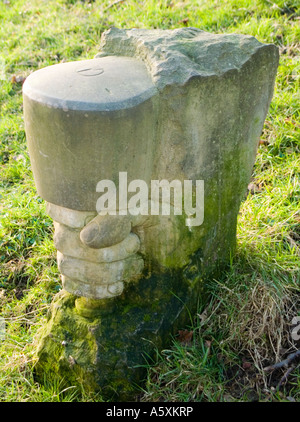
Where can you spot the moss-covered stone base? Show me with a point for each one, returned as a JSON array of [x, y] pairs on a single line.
[[104, 345]]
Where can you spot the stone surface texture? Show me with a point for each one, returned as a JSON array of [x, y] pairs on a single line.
[[158, 104]]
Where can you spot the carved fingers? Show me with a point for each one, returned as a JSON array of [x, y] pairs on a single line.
[[96, 254], [107, 230]]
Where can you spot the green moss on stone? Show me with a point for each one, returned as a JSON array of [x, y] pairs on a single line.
[[106, 350]]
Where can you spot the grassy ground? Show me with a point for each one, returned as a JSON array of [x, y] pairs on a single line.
[[246, 324]]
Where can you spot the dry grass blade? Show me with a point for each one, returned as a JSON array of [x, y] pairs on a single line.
[[115, 3]]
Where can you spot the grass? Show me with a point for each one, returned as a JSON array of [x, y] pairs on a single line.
[[246, 323]]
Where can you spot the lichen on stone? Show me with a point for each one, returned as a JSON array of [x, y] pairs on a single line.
[[176, 56]]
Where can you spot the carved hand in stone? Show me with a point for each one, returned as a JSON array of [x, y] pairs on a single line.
[[97, 254]]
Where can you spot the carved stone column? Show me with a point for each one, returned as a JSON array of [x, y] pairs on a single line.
[[165, 124]]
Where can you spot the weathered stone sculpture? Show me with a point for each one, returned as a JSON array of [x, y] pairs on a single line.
[[109, 139]]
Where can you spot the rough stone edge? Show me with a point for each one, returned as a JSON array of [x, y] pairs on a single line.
[[168, 54]]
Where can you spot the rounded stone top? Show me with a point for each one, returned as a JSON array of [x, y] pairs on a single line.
[[101, 84]]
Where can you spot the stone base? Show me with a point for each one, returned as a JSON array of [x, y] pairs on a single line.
[[104, 345]]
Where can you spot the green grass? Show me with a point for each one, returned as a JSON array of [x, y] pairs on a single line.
[[245, 325]]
